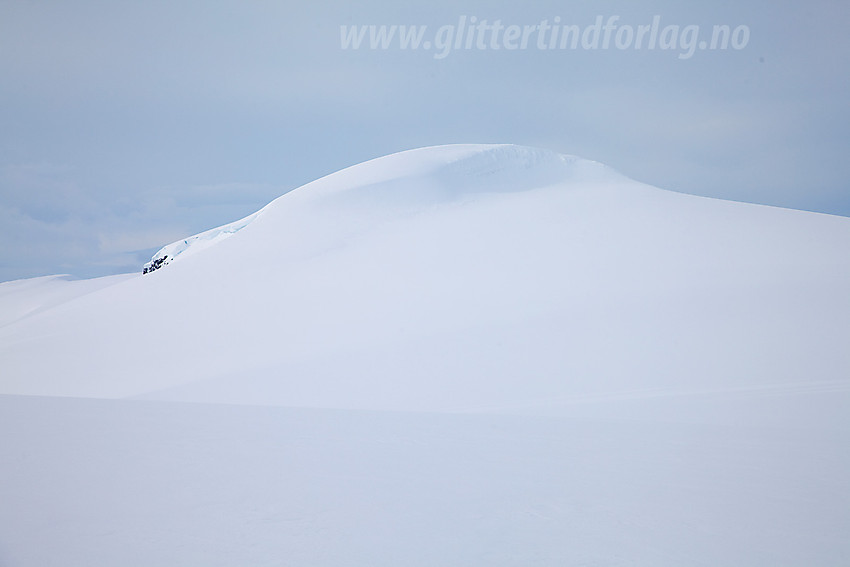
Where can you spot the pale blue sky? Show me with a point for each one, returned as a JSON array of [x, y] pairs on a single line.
[[125, 126]]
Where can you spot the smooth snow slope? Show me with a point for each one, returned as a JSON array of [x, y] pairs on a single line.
[[109, 483], [22, 298], [464, 278]]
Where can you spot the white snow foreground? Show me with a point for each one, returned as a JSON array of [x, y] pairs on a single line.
[[578, 368]]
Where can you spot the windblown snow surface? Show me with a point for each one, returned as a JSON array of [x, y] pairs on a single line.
[[457, 355]]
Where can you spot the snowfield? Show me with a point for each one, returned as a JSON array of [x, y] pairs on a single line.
[[457, 355]]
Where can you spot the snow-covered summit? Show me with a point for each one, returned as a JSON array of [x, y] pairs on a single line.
[[444, 172], [416, 178]]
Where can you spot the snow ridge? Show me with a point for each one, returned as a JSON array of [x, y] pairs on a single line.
[[416, 178], [196, 243]]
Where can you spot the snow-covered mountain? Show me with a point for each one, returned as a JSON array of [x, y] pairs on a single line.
[[461, 278], [636, 375]]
